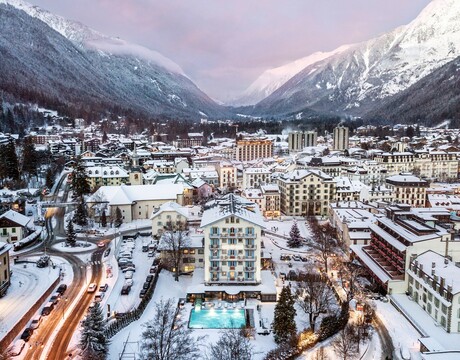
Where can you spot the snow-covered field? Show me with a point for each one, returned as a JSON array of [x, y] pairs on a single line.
[[28, 283]]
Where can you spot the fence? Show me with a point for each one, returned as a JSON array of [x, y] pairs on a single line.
[[9, 337], [127, 318]]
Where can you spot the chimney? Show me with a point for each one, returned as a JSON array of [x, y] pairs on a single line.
[[435, 281], [433, 271], [446, 261], [449, 288], [433, 265], [442, 282]]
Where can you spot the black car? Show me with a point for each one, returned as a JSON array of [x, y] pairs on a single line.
[[142, 293], [61, 289], [146, 285], [149, 278], [27, 334], [125, 290], [107, 252]]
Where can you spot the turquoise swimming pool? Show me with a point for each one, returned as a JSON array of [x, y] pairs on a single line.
[[217, 318]]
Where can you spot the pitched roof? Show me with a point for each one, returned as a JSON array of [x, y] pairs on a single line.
[[232, 204]]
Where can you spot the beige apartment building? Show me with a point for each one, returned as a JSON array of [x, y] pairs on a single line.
[[408, 189], [439, 165], [305, 192], [253, 149]]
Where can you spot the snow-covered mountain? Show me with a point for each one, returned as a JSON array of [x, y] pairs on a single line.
[[272, 79], [358, 77], [43, 53]]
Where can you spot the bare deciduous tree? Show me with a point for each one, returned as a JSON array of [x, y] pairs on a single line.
[[174, 240], [345, 344], [167, 337], [232, 344], [314, 296]]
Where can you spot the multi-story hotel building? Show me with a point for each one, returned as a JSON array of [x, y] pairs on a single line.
[[252, 149], [256, 176], [396, 238], [434, 164], [408, 189], [434, 285], [305, 192], [232, 228]]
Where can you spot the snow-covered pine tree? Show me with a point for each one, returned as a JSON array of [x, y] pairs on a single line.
[[103, 219], [93, 341], [284, 326], [295, 239], [71, 239], [80, 185], [80, 216], [118, 217]]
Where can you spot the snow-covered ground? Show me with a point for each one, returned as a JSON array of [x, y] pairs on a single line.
[[168, 288], [28, 284], [81, 246]]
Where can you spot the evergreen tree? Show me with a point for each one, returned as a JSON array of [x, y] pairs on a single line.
[[71, 239], [49, 181], [29, 157], [79, 185], [103, 219], [93, 342], [80, 217], [118, 217], [284, 326], [10, 161], [295, 239]]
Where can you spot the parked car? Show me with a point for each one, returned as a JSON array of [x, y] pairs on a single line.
[[129, 268], [146, 285], [142, 293], [17, 347], [61, 289], [125, 290], [92, 288], [296, 258], [149, 278], [47, 308], [91, 305], [153, 270], [129, 274], [126, 265], [151, 253], [145, 248], [129, 282], [99, 296], [26, 334], [55, 298], [107, 252], [36, 321], [103, 288]]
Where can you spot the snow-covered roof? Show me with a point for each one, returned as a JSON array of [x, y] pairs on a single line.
[[232, 204], [171, 206], [124, 195], [16, 217], [443, 268]]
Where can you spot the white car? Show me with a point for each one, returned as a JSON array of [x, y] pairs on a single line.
[[129, 274], [17, 347], [92, 288]]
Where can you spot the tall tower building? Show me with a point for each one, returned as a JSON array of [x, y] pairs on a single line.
[[310, 138], [296, 141], [341, 138]]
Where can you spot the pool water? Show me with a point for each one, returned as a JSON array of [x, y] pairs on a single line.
[[217, 319]]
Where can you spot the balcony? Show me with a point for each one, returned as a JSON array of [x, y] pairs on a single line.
[[214, 268], [249, 268], [214, 246], [249, 246]]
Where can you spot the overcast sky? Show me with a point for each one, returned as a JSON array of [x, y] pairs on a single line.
[[224, 45]]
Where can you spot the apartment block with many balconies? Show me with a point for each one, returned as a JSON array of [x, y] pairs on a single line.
[[232, 228]]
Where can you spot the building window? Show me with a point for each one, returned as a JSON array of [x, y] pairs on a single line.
[[444, 309], [14, 230], [436, 302], [428, 308], [443, 321]]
